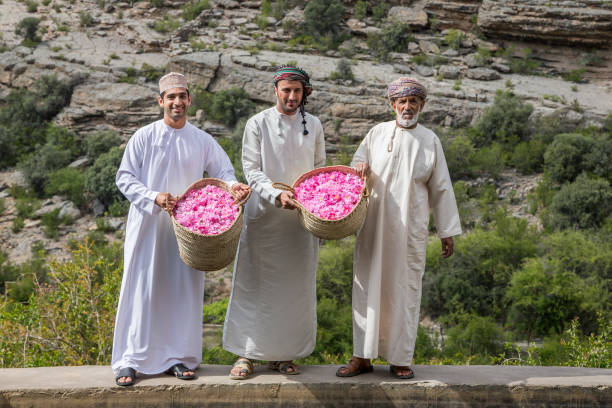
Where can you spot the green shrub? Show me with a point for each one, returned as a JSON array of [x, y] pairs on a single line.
[[67, 181], [51, 223], [18, 224], [24, 117], [167, 24], [474, 279], [393, 37], [459, 152], [64, 139], [32, 6], [528, 157], [100, 178], [152, 73], [520, 65], [194, 8], [323, 17], [157, 3], [575, 75], [543, 297], [226, 106], [70, 319], [335, 271], [360, 10], [343, 71], [592, 351], [215, 312], [101, 142], [454, 38], [28, 28], [37, 167], [506, 121], [565, 157], [585, 203], [85, 19], [379, 11], [474, 336]]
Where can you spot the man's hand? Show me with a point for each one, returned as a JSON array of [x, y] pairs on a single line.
[[166, 201], [362, 169], [447, 246], [286, 200], [240, 191]]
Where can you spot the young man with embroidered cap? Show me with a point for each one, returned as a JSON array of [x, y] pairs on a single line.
[[159, 318], [272, 311], [408, 176]]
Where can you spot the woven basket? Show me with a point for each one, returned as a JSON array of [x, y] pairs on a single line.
[[330, 229], [209, 252]]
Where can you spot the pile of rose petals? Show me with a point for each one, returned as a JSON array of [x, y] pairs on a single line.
[[209, 210], [330, 195]]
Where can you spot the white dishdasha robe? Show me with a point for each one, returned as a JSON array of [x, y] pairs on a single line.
[[159, 317], [272, 309], [390, 249]]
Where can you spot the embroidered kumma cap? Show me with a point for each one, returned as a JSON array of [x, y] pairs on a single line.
[[172, 80], [406, 86]]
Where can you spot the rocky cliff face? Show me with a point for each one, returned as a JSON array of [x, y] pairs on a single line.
[[587, 22], [111, 61]]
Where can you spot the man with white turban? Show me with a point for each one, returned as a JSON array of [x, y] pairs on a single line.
[[159, 318], [408, 176]]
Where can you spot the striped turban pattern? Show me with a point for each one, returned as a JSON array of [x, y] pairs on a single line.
[[406, 86], [289, 73]]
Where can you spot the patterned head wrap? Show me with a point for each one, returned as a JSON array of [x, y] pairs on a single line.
[[406, 86], [289, 73]]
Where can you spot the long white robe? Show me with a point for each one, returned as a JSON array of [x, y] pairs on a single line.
[[390, 249], [272, 309], [159, 318]]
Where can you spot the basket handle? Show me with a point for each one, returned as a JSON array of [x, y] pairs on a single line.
[[366, 191], [244, 199], [283, 186]]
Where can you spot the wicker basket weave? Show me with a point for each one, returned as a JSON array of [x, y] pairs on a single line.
[[209, 252], [330, 229]]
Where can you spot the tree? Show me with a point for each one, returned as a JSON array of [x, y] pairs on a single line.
[[585, 203], [324, 17], [28, 28]]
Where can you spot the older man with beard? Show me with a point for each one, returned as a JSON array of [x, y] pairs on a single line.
[[408, 176], [272, 310], [159, 317]]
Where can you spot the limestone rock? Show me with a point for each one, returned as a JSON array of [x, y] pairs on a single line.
[[125, 107], [428, 47], [453, 13], [586, 22], [449, 71], [424, 70], [414, 17], [482, 74]]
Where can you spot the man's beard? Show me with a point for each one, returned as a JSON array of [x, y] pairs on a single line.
[[406, 123]]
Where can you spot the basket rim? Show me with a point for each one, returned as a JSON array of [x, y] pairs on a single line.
[[204, 182], [327, 169]]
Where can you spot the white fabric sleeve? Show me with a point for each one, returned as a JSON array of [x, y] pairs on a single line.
[[442, 197], [319, 159], [128, 177], [218, 164], [251, 163], [361, 155]]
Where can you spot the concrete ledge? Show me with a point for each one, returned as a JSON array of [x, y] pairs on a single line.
[[317, 386]]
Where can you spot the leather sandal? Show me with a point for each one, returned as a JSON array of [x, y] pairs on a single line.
[[353, 368], [178, 371], [283, 367], [128, 372], [394, 368], [246, 368]]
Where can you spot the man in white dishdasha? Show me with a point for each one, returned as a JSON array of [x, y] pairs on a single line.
[[408, 175], [159, 318], [272, 311]]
